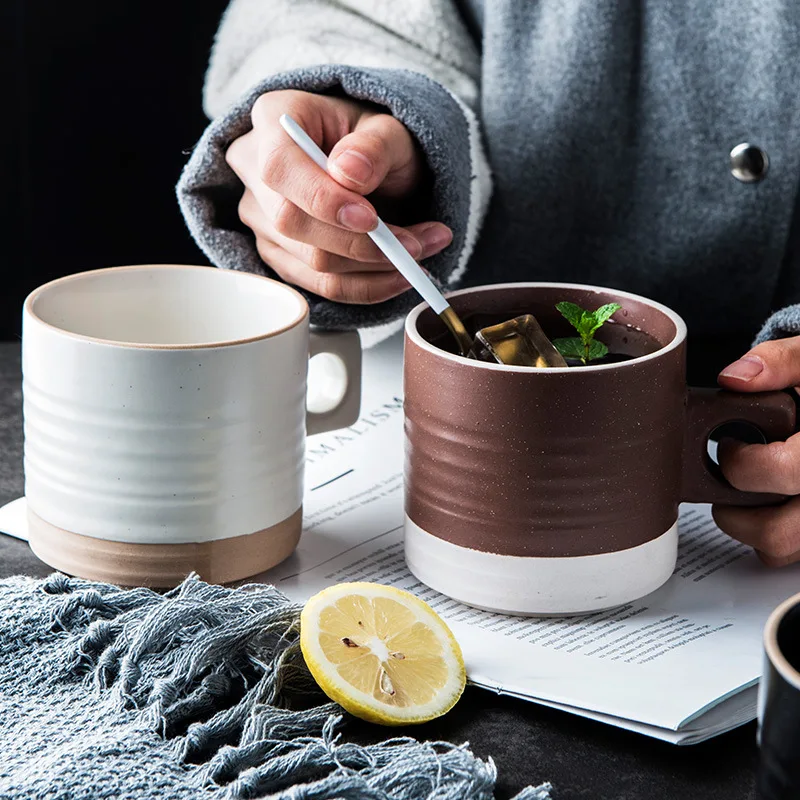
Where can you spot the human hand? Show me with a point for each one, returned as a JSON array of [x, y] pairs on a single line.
[[774, 531], [310, 226]]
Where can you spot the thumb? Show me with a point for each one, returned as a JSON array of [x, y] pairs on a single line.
[[768, 366], [380, 152]]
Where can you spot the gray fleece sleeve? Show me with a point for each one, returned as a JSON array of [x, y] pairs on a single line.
[[209, 191], [781, 324], [415, 58]]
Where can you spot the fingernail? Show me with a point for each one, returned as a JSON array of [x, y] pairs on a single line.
[[410, 243], [434, 239], [357, 218], [354, 166], [745, 369]]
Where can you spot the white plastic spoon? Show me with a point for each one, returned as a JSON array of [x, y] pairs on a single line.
[[391, 247]]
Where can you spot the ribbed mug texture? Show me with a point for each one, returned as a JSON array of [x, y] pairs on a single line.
[[564, 462]]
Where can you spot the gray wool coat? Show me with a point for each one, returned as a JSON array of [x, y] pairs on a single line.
[[571, 140]]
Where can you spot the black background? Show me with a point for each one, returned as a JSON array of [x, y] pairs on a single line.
[[101, 104]]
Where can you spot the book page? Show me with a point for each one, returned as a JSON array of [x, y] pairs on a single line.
[[14, 519], [660, 661], [736, 710]]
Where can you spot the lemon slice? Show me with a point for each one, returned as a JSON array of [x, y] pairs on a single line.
[[381, 653]]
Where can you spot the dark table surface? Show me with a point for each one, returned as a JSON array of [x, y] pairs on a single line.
[[529, 743]]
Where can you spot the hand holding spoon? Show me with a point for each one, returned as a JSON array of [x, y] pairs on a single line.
[[391, 247]]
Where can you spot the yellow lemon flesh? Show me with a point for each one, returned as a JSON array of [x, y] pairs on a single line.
[[381, 653]]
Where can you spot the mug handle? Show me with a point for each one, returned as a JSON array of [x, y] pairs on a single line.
[[334, 388], [774, 414]]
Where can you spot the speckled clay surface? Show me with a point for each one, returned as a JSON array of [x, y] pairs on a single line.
[[559, 462]]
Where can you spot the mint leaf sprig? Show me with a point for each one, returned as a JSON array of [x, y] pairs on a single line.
[[584, 346]]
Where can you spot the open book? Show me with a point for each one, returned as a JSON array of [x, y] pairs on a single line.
[[681, 664]]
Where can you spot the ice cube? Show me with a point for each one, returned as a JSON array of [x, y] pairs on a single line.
[[518, 342]]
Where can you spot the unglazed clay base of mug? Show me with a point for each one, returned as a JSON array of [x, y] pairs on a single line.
[[164, 565], [539, 585]]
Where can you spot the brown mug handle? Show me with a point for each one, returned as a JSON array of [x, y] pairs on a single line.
[[773, 413]]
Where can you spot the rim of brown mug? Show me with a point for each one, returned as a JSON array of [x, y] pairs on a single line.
[[39, 290], [418, 339], [778, 659]]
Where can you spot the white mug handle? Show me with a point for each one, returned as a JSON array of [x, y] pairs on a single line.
[[334, 381]]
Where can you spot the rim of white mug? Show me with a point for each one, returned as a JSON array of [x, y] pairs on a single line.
[[778, 659], [32, 297], [680, 328]]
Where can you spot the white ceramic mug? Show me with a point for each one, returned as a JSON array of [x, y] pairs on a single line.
[[165, 420]]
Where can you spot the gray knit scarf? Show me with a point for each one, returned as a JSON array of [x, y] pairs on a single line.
[[198, 693]]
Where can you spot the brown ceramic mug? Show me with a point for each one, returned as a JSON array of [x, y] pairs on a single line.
[[556, 491]]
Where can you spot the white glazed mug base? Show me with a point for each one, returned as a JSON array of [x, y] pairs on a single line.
[[537, 586]]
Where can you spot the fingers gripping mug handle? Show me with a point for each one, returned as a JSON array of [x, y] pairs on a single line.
[[334, 381], [773, 413]]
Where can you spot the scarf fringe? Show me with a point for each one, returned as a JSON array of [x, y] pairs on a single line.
[[220, 671]]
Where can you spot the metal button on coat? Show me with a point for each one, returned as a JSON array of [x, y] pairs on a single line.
[[748, 163]]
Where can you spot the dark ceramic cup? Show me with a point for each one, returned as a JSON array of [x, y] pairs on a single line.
[[779, 705], [556, 491]]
